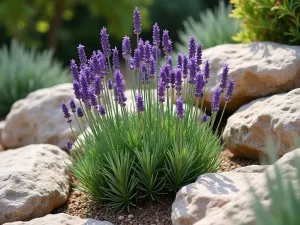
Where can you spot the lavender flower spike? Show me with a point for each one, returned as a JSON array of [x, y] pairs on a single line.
[[72, 105], [179, 108], [105, 42], [199, 85], [148, 51], [82, 56], [206, 71], [76, 88], [139, 102], [185, 66], [193, 69], [137, 21], [224, 77], [199, 54], [179, 61], [74, 70], [116, 62], [92, 98], [161, 90], [152, 69], [216, 99], [80, 112], [178, 82], [205, 118], [126, 47], [192, 47], [109, 84], [156, 39], [229, 92], [65, 110], [69, 145], [165, 40], [102, 110], [137, 58], [119, 87], [98, 85]]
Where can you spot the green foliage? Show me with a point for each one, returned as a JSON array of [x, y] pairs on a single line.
[[22, 72], [283, 193], [213, 28], [268, 20]]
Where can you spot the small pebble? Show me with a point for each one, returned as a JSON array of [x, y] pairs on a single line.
[[130, 216], [121, 218]]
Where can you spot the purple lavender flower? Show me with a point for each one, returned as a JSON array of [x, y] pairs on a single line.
[[178, 82], [148, 51], [131, 63], [103, 65], [161, 90], [74, 70], [69, 144], [172, 78], [216, 99], [199, 54], [229, 92], [105, 42], [82, 55], [137, 58], [98, 85], [116, 63], [102, 110], [164, 76], [109, 84], [95, 64], [76, 88], [185, 66], [154, 52], [137, 21], [80, 112], [206, 71], [152, 69], [141, 47], [126, 47], [165, 40], [224, 77], [179, 108], [92, 97], [169, 47], [86, 73], [139, 102], [170, 61], [65, 110], [119, 88], [144, 73], [193, 70], [156, 39], [84, 88], [179, 61], [192, 47], [205, 118], [199, 85], [72, 105]]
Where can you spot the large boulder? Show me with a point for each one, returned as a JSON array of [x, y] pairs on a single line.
[[258, 69], [33, 181], [210, 192], [275, 118], [38, 119], [60, 219], [240, 209]]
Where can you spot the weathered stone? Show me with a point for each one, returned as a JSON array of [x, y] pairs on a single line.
[[275, 119], [258, 69], [38, 119], [33, 181], [251, 169], [210, 192], [60, 219]]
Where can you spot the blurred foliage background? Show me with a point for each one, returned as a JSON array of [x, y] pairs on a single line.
[[61, 25]]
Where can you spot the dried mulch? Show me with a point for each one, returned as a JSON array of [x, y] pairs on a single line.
[[157, 213]]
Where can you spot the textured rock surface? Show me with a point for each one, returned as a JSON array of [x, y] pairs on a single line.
[[251, 169], [38, 119], [276, 118], [259, 69], [239, 209], [210, 192], [33, 181], [60, 219]]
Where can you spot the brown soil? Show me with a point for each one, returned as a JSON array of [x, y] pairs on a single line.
[[157, 213]]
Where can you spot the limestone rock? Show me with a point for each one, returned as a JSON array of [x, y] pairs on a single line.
[[61, 219], [239, 209], [275, 119], [38, 119], [251, 169], [210, 192], [258, 69], [33, 181]]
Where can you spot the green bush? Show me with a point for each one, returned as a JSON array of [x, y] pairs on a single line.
[[268, 20], [212, 28], [22, 72], [144, 151]]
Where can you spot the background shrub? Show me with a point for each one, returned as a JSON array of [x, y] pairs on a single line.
[[268, 20], [213, 28], [23, 71]]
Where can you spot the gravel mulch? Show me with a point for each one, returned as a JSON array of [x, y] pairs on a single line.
[[157, 213]]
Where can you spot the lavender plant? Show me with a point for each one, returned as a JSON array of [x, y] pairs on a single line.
[[143, 150]]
